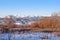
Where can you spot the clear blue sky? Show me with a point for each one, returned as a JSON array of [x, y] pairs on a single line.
[[28, 7]]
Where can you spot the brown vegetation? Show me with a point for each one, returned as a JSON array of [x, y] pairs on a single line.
[[45, 23]]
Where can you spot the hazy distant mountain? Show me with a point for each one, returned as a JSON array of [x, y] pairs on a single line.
[[26, 20], [21, 20]]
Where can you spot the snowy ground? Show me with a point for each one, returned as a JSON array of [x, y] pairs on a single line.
[[29, 36]]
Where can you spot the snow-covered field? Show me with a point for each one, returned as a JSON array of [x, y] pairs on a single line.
[[29, 36]]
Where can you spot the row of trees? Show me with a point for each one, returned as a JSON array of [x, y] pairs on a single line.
[[52, 22], [44, 22]]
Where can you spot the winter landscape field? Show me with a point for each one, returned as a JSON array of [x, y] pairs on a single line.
[[29, 36], [29, 19]]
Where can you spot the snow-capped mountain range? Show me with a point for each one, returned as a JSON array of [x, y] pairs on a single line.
[[21, 20]]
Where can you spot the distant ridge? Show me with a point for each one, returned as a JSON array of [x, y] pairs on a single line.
[[22, 20]]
